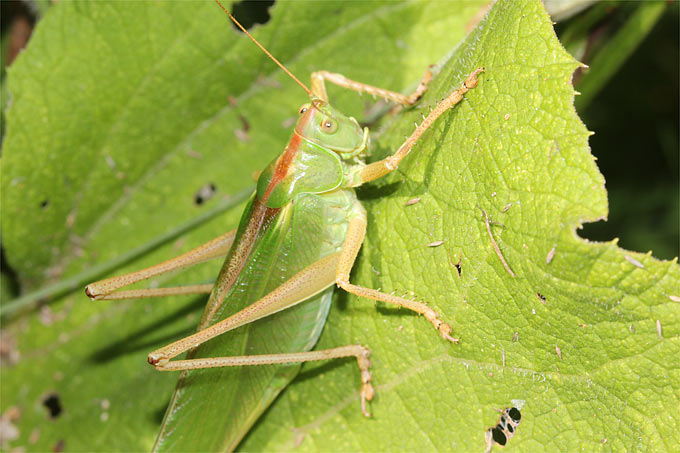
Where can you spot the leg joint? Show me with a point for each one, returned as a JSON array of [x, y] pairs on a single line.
[[342, 281]]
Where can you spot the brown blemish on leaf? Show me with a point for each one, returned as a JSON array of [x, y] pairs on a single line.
[[8, 431], [9, 353], [59, 446], [195, 154], [34, 437]]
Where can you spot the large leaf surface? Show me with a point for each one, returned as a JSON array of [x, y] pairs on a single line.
[[120, 113], [148, 86], [585, 338]]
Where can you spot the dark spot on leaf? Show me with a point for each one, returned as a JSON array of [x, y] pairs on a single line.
[[515, 414], [251, 12], [10, 275], [502, 422], [242, 134], [245, 123], [53, 405], [498, 436], [59, 446], [44, 204], [205, 193]]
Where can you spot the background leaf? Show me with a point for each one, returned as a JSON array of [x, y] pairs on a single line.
[[636, 131], [117, 125], [515, 139]]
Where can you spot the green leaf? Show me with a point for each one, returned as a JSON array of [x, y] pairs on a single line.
[[113, 129], [574, 337], [147, 84]]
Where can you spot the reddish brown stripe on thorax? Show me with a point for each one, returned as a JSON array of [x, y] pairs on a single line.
[[283, 165]]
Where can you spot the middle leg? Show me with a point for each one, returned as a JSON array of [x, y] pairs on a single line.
[[355, 237]]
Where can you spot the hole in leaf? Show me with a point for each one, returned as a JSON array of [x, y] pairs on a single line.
[[251, 12], [44, 204], [53, 405]]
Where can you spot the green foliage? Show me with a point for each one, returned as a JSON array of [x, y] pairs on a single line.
[[118, 123], [635, 119]]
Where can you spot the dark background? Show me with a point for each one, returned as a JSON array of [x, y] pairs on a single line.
[[635, 120]]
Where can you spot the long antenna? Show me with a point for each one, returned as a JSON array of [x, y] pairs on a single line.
[[263, 49]]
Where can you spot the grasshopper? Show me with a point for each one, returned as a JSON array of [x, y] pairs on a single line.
[[299, 235]]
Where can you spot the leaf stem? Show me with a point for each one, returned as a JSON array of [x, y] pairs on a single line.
[[91, 273]]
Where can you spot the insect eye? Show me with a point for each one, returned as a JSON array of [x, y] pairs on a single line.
[[304, 108], [329, 126]]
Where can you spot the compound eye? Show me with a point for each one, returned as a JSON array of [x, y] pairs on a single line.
[[304, 108], [329, 126]]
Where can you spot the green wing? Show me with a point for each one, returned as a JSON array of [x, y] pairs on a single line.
[[232, 398]]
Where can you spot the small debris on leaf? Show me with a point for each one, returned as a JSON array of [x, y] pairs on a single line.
[[487, 222], [551, 255], [634, 262], [205, 193]]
